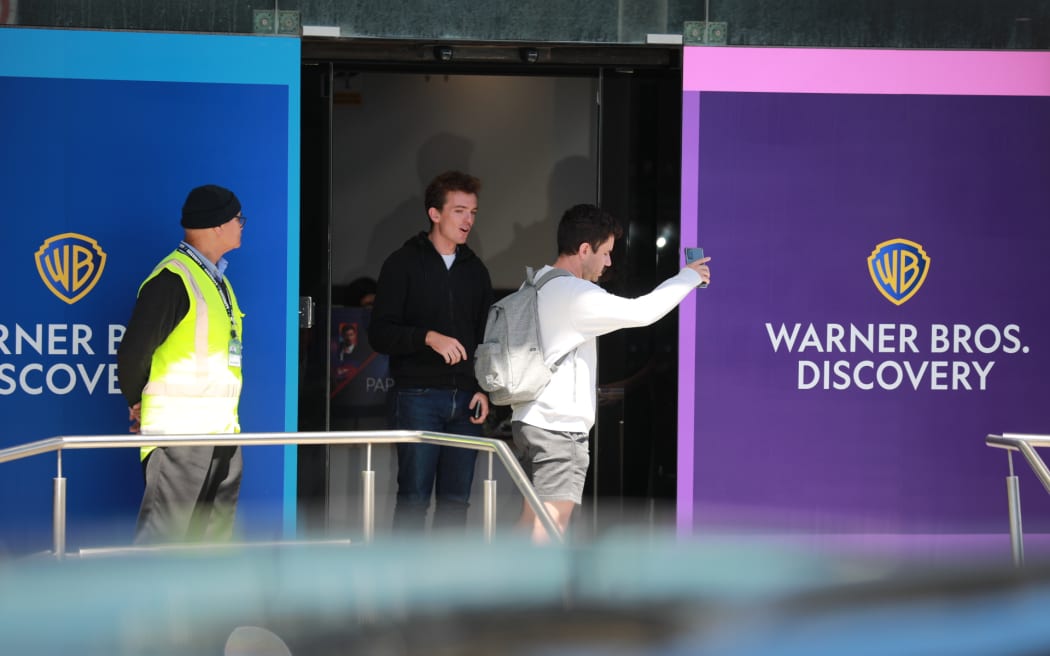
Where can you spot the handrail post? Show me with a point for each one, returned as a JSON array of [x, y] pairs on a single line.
[[58, 516], [490, 504], [1013, 496], [368, 497]]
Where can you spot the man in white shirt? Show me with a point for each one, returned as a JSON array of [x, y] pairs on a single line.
[[550, 433]]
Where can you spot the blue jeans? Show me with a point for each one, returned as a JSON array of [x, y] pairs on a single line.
[[420, 466]]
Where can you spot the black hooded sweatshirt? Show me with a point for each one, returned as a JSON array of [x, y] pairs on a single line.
[[416, 293]]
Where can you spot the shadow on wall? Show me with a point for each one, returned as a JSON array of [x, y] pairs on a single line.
[[440, 153], [572, 181]]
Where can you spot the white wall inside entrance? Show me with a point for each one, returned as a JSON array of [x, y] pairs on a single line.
[[531, 140]]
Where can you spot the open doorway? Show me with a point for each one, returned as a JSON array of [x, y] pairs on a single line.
[[373, 137]]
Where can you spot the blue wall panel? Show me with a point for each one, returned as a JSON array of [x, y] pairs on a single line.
[[104, 135]]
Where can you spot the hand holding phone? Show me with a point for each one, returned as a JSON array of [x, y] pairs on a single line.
[[692, 254]]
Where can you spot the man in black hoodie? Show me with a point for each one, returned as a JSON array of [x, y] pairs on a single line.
[[431, 305]]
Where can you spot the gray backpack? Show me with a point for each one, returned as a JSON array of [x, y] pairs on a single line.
[[509, 362]]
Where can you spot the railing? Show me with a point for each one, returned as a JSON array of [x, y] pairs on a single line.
[[360, 438], [1026, 445]]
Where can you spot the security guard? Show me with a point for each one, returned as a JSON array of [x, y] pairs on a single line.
[[179, 367]]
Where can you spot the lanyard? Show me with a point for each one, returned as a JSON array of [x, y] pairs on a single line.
[[220, 285]]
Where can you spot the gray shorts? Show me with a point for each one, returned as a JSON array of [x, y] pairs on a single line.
[[555, 461]]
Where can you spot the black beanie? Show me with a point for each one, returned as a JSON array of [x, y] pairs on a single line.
[[209, 206]]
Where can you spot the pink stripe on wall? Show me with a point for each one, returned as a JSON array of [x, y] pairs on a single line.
[[811, 70]]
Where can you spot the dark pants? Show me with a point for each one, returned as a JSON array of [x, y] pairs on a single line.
[[191, 494], [426, 468]]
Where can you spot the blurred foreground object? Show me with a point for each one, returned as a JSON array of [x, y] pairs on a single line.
[[622, 595]]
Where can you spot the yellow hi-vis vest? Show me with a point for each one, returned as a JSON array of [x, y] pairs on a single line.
[[192, 387]]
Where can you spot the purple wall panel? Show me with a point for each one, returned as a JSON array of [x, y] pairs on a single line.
[[790, 191]]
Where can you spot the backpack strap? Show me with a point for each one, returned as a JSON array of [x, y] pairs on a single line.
[[555, 272], [545, 278]]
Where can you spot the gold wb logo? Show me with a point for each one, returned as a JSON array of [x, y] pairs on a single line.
[[70, 265], [898, 268]]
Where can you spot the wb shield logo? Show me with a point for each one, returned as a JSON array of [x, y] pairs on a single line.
[[70, 265], [898, 267]]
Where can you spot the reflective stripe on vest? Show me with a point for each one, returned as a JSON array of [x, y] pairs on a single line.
[[192, 389]]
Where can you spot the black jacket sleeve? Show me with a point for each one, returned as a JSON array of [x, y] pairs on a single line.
[[389, 332], [482, 317], [162, 303], [488, 299]]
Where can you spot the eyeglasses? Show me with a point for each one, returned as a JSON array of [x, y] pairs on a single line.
[[241, 219]]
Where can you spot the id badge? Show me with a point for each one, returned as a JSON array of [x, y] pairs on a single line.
[[235, 353]]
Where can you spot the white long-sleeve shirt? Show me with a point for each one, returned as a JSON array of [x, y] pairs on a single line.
[[572, 312]]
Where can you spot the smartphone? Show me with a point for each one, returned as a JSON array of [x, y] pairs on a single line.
[[477, 410], [694, 254]]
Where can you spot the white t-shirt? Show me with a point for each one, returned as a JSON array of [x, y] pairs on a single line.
[[573, 313]]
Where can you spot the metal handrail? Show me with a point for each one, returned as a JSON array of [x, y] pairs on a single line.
[[1026, 445], [361, 438]]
